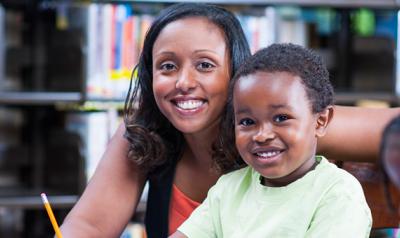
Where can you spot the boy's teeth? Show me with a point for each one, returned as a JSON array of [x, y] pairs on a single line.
[[190, 104], [268, 154]]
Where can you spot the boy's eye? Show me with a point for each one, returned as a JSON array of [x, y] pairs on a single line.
[[205, 66], [246, 122], [281, 118]]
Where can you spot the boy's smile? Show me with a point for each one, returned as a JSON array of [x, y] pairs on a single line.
[[275, 128]]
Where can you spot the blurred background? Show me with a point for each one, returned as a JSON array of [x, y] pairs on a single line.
[[65, 68]]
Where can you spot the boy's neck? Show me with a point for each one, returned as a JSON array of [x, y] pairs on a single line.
[[309, 165]]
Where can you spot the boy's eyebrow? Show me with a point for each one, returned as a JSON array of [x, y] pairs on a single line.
[[273, 106], [242, 110], [277, 106]]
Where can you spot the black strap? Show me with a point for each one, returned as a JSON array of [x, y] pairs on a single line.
[[157, 211]]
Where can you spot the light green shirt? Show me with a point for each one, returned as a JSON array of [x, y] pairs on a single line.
[[326, 202]]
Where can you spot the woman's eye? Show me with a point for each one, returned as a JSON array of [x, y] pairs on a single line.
[[281, 118], [167, 67], [205, 66], [246, 122]]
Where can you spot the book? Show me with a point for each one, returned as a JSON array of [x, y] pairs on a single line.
[[134, 230], [95, 130], [115, 34]]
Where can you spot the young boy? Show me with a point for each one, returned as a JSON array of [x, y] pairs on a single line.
[[280, 104]]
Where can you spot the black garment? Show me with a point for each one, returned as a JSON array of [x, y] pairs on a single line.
[[158, 201]]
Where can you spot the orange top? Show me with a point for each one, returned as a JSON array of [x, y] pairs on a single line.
[[180, 209]]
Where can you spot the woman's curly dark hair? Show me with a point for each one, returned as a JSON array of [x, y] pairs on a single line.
[[154, 141], [289, 58]]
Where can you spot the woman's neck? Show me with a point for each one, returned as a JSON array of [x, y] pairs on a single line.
[[199, 146], [194, 173]]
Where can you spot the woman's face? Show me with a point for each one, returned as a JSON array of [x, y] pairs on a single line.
[[191, 73]]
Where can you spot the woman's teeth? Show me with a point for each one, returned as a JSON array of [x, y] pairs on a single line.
[[189, 105], [268, 154]]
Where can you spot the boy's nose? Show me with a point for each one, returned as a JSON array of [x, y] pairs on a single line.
[[264, 134], [186, 80]]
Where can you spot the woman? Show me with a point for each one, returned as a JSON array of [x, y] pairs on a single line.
[[189, 55]]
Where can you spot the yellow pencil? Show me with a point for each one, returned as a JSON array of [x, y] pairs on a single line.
[[51, 215]]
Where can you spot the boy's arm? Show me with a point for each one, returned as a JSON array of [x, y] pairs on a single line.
[[204, 220], [354, 133], [111, 196]]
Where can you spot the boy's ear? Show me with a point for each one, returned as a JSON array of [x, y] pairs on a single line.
[[323, 120]]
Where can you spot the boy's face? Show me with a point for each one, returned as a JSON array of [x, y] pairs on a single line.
[[391, 157], [276, 131]]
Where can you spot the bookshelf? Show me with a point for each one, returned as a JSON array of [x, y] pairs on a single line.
[[50, 105], [39, 98], [33, 202], [313, 3]]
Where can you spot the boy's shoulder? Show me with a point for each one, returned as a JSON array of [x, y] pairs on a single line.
[[337, 179], [232, 180], [243, 173], [331, 171]]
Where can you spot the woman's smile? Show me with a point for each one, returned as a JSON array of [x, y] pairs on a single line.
[[189, 106]]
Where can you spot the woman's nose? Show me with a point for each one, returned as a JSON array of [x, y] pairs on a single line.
[[263, 134], [186, 80]]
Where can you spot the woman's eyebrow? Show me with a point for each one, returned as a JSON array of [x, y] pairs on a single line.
[[163, 53], [205, 50]]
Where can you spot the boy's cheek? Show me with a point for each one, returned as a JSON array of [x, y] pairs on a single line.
[[241, 143]]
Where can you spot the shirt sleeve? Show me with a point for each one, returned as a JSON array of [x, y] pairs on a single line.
[[204, 220], [342, 213]]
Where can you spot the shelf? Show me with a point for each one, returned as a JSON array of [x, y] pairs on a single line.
[[39, 98], [325, 3], [105, 99], [351, 97], [35, 202]]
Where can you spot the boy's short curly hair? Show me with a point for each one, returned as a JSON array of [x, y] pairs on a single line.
[[298, 61]]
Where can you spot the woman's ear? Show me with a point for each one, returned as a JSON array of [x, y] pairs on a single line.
[[323, 120]]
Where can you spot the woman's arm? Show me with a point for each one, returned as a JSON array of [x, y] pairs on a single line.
[[111, 196], [354, 133]]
